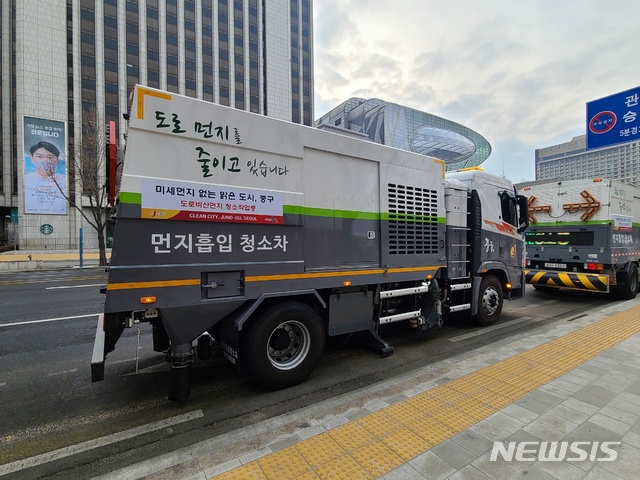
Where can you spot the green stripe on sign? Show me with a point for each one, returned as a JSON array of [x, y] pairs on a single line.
[[131, 197], [136, 199], [570, 224], [332, 213], [329, 212]]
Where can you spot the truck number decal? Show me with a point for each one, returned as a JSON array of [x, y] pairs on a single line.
[[622, 238]]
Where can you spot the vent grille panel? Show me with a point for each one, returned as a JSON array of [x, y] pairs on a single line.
[[413, 220]]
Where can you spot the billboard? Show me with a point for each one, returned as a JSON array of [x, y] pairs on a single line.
[[45, 166], [614, 119]]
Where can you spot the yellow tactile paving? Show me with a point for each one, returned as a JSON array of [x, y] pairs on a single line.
[[308, 475], [376, 458], [406, 443], [320, 449], [379, 424], [431, 430], [286, 463], [343, 468], [351, 436], [404, 413], [375, 444]]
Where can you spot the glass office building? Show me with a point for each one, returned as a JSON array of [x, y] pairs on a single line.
[[60, 59], [409, 129], [572, 160]]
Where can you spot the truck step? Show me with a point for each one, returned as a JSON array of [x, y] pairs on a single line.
[[460, 286], [459, 308], [399, 317], [404, 291]]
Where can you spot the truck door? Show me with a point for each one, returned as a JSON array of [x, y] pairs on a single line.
[[510, 248]]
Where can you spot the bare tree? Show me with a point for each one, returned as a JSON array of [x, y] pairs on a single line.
[[87, 162]]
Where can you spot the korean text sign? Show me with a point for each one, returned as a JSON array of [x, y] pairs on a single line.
[[614, 119]]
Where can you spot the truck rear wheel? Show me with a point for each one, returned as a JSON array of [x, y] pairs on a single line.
[[284, 345], [630, 288], [489, 301]]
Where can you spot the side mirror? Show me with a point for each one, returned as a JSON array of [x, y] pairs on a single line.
[[523, 209]]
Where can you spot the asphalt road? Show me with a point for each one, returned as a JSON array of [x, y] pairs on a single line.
[[59, 425]]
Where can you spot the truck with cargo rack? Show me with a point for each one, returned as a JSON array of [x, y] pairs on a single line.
[[260, 238], [583, 235]]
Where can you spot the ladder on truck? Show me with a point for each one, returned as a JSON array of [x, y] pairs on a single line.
[[458, 284]]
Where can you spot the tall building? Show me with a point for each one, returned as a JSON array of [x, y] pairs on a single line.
[[61, 59], [409, 129], [572, 160]]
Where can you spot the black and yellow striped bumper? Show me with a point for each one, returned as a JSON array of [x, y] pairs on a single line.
[[578, 281]]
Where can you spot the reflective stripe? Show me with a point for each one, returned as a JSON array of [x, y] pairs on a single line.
[[346, 273], [581, 281], [585, 281], [161, 283], [564, 278], [266, 278]]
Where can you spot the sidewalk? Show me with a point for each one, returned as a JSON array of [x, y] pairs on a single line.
[[42, 259], [575, 382]]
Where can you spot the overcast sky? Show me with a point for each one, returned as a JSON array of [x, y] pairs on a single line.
[[519, 72]]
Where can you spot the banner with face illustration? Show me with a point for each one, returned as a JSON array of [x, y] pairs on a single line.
[[45, 166]]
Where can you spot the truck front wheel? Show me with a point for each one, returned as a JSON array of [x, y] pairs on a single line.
[[284, 345], [490, 301], [630, 288]]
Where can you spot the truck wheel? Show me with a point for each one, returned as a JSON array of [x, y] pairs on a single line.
[[630, 289], [284, 345], [489, 301]]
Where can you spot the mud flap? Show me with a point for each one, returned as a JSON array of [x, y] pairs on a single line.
[[97, 359], [230, 342], [432, 309]]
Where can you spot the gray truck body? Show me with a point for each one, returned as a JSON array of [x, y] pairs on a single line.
[[583, 235], [228, 220]]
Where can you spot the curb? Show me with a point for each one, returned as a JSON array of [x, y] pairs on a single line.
[[21, 265]]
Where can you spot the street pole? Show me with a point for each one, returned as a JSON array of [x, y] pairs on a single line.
[[81, 263]]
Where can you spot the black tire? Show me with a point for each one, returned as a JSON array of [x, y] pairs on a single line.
[[630, 288], [490, 300], [284, 345]]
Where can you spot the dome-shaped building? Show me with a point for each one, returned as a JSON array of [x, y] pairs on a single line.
[[409, 129]]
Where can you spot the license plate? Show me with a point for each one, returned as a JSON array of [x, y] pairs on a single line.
[[555, 265]]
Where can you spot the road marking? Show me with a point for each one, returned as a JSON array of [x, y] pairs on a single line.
[[3, 384], [96, 443], [75, 286], [62, 373], [527, 307], [49, 320], [490, 329]]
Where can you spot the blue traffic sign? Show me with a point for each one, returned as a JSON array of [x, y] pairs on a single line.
[[614, 119]]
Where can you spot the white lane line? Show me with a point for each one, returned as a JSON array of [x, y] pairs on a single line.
[[48, 320], [3, 384], [62, 372], [490, 329], [75, 286], [96, 443]]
